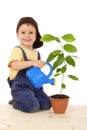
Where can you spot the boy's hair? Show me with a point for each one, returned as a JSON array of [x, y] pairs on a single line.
[[30, 20]]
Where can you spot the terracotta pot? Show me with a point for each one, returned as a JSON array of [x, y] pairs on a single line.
[[59, 103]]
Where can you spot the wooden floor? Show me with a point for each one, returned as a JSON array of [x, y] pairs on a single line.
[[75, 118]]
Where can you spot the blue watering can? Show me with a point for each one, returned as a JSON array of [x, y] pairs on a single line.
[[38, 78]]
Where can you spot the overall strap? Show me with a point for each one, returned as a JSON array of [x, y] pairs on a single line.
[[23, 52]]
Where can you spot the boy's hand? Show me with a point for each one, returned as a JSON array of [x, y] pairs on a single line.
[[39, 63]]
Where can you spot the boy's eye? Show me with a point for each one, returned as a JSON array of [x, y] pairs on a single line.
[[30, 32], [23, 32]]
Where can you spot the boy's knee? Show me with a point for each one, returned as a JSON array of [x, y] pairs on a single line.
[[25, 107], [45, 106], [33, 108]]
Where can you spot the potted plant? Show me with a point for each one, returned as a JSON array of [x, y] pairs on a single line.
[[61, 60]]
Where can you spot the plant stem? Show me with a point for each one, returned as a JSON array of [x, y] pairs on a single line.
[[62, 83], [62, 73]]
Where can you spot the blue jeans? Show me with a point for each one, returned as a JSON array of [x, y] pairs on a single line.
[[27, 98]]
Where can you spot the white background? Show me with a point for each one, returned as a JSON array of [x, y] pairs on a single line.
[[53, 16]]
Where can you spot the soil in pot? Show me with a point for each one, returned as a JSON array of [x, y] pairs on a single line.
[[59, 103]]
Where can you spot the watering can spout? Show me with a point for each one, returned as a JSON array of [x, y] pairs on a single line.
[[51, 81]]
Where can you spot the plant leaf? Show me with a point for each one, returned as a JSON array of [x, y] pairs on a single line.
[[49, 38], [59, 60], [63, 69], [73, 77], [57, 74], [56, 52], [52, 55], [68, 38], [58, 70], [63, 86], [70, 48], [70, 60]]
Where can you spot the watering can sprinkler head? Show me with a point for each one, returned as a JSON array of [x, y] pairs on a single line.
[[51, 81], [38, 78]]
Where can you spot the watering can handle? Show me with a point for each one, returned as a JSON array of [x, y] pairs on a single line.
[[51, 69]]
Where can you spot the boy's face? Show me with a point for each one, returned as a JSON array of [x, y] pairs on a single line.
[[27, 35]]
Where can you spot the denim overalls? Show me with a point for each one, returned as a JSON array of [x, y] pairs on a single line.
[[27, 97]]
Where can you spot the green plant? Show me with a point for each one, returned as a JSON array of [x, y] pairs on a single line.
[[62, 58]]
